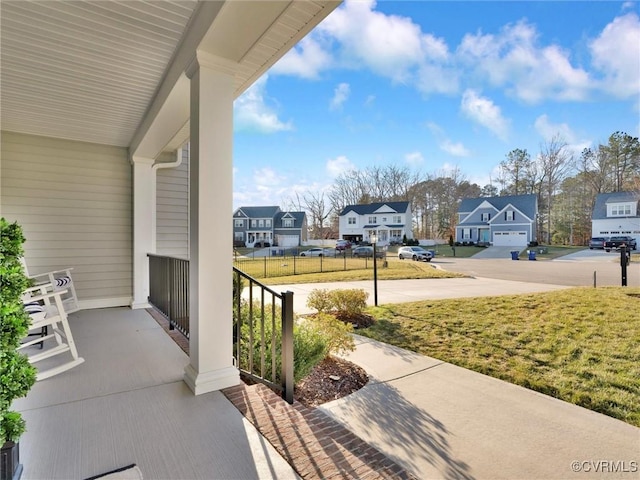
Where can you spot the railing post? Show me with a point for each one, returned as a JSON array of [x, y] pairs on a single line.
[[287, 346]]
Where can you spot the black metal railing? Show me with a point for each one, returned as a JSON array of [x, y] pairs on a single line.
[[169, 290], [263, 320], [263, 334]]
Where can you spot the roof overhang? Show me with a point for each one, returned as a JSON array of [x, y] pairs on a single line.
[[113, 72]]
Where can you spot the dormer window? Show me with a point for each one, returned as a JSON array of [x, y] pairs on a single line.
[[287, 222], [509, 215], [485, 217], [620, 210]]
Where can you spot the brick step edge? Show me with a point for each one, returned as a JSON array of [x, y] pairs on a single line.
[[314, 444]]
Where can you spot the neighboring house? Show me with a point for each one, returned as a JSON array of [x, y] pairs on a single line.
[[390, 221], [499, 221], [616, 214], [270, 225]]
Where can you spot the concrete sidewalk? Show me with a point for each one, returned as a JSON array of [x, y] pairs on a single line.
[[401, 291], [442, 421]]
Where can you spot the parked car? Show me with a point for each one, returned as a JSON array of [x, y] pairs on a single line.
[[597, 242], [415, 253], [343, 245], [615, 242], [318, 252], [366, 251]]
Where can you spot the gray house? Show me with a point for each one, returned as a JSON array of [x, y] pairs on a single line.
[[616, 214], [262, 226], [499, 221]]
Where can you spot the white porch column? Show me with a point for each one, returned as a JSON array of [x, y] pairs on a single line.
[[211, 207], [144, 201]]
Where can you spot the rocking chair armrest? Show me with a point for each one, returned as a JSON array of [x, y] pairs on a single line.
[[41, 287], [57, 293], [46, 274]]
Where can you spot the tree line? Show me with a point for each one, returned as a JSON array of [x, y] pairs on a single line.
[[566, 185]]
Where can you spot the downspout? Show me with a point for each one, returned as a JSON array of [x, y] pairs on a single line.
[[154, 168]]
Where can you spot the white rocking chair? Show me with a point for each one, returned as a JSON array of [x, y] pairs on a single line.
[[57, 280], [53, 317]]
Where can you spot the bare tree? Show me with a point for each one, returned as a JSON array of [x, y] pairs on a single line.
[[556, 161]]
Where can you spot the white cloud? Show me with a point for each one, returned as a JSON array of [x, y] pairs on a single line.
[[549, 130], [483, 111], [616, 54], [251, 111], [340, 95], [455, 149], [415, 159], [338, 165], [266, 177], [515, 60], [370, 100], [392, 46], [307, 59]]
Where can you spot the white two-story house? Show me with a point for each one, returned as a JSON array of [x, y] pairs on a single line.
[[390, 221], [616, 214]]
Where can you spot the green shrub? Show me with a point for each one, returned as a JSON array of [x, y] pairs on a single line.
[[310, 345], [16, 374], [320, 299], [337, 334], [348, 302]]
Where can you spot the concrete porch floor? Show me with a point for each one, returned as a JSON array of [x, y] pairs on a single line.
[[127, 404]]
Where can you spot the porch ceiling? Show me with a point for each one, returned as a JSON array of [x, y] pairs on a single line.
[[104, 71]]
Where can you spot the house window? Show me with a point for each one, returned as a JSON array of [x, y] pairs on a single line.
[[238, 223], [372, 219], [466, 234], [287, 222], [254, 223], [620, 210], [239, 236], [267, 222], [397, 219], [260, 223], [509, 215], [485, 217], [351, 220]]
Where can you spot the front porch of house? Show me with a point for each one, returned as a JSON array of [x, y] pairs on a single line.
[[128, 403]]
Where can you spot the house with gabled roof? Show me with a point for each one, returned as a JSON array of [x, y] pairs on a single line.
[[499, 221], [616, 213], [268, 225], [390, 221]]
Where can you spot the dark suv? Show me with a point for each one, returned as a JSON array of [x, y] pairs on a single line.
[[597, 242]]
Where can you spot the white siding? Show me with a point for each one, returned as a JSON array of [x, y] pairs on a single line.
[[172, 208], [74, 203]]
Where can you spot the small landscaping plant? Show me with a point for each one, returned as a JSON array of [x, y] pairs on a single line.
[[17, 375], [347, 305]]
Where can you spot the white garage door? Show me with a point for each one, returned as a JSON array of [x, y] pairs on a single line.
[[505, 239], [288, 240]]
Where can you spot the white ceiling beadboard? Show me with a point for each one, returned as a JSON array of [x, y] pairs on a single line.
[[89, 70], [85, 70]]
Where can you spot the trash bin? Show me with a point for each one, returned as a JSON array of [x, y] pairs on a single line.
[[532, 254], [514, 255]]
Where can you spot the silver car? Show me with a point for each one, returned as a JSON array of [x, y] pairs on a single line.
[[415, 253], [318, 252]]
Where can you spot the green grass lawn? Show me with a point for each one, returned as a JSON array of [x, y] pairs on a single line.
[[580, 345]]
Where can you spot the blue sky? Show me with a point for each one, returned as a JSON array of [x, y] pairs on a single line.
[[435, 86]]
